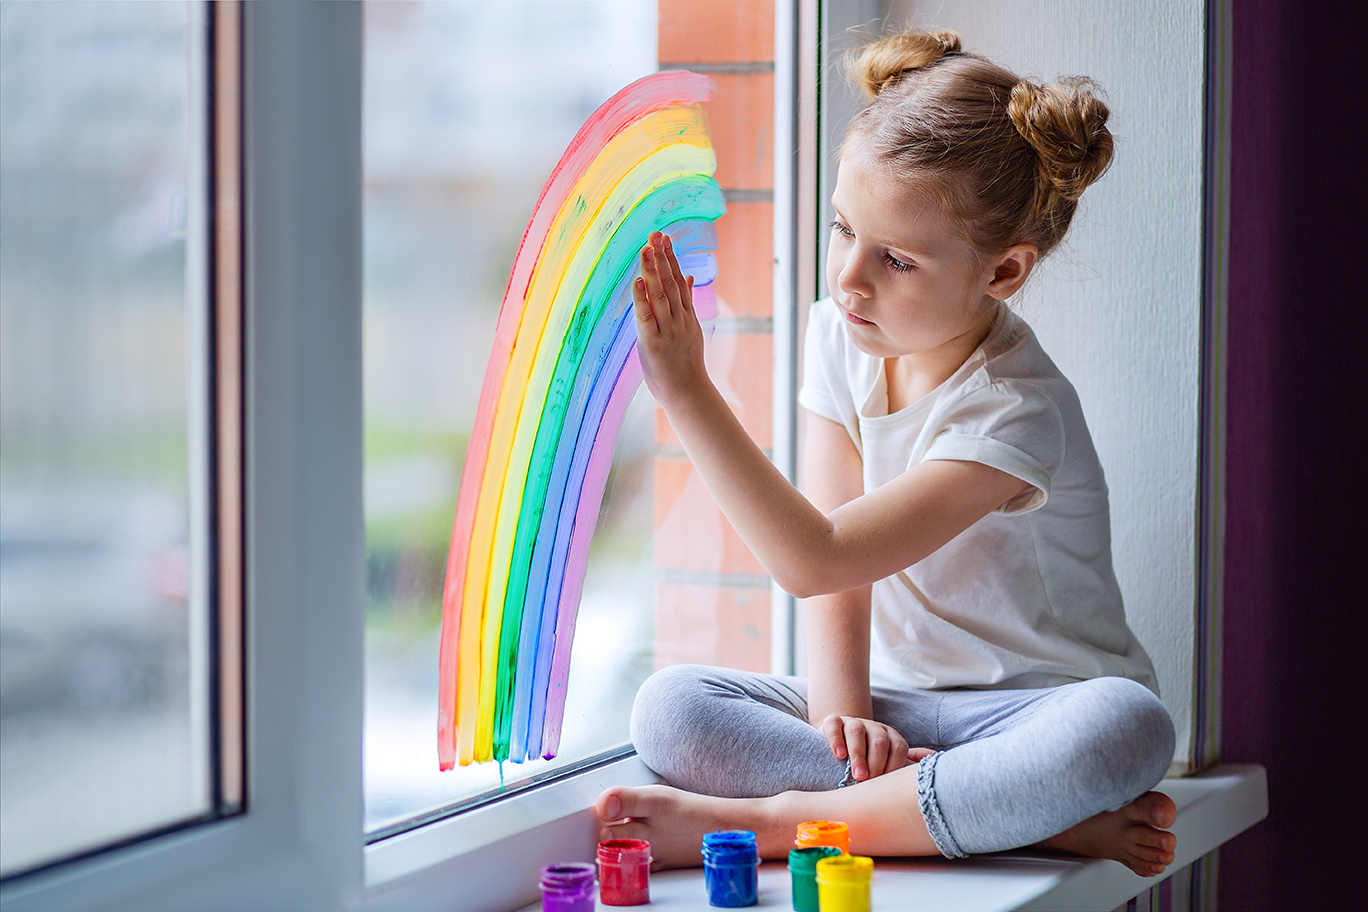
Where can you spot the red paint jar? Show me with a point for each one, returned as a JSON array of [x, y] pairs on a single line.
[[624, 872]]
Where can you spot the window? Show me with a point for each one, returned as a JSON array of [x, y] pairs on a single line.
[[272, 110], [108, 723], [468, 107]]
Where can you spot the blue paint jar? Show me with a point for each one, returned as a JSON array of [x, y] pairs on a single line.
[[731, 868]]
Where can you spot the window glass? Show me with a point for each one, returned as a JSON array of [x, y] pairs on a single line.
[[468, 107], [103, 682]]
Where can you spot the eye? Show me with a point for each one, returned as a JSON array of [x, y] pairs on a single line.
[[896, 264], [842, 230]]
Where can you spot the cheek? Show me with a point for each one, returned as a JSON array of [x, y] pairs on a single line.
[[834, 262]]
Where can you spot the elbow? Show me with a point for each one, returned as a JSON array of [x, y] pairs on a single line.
[[804, 582], [797, 588], [819, 567]]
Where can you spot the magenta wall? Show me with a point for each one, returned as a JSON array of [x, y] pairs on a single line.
[[1296, 550]]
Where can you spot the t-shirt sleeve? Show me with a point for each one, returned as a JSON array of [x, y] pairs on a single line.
[[825, 385], [1016, 428]]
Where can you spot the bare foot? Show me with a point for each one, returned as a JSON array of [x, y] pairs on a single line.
[[1135, 835], [674, 821]]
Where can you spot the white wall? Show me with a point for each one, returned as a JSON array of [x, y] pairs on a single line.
[[1119, 304]]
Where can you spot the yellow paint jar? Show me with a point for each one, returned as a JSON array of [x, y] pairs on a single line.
[[843, 883]]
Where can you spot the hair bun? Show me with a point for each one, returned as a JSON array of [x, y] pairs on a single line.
[[879, 64], [1066, 123]]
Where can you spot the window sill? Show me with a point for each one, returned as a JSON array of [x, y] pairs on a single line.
[[1212, 808], [554, 821]]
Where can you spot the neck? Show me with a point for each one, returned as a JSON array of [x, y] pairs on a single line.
[[910, 377]]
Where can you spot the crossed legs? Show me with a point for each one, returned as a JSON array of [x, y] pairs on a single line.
[[1064, 768]]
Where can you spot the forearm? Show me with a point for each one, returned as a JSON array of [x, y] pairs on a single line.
[[837, 628], [790, 536]]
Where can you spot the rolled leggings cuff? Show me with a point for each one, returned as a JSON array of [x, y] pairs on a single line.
[[930, 809]]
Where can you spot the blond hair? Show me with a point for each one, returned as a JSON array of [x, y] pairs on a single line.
[[1008, 158]]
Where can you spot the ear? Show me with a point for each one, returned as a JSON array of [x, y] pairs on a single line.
[[1011, 270]]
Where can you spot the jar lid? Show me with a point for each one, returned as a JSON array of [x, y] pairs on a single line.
[[803, 860], [730, 847], [624, 851], [823, 832], [728, 837], [844, 869], [568, 877]]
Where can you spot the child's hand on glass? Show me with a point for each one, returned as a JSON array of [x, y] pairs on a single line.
[[872, 747], [669, 339]]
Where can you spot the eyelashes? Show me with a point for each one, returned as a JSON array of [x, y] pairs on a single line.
[[891, 261], [896, 264]]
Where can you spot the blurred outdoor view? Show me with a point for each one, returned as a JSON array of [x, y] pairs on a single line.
[[102, 682], [468, 107]]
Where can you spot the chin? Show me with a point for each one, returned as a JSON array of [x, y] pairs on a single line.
[[864, 343]]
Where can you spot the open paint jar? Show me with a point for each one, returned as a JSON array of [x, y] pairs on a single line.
[[624, 872], [802, 865], [843, 883], [568, 887], [731, 868]]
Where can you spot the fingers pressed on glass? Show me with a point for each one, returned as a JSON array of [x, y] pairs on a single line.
[[668, 272], [685, 282], [655, 287], [640, 304]]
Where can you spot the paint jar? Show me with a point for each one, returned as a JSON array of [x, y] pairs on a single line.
[[824, 833], [843, 883], [568, 887], [731, 868], [624, 872], [802, 866]]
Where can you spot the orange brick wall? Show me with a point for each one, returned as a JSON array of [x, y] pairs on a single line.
[[712, 597]]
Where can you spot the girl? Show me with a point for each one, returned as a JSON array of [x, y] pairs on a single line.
[[954, 541]]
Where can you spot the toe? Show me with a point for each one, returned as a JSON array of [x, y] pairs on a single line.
[[1153, 838], [1150, 855], [1161, 809], [609, 805], [621, 802]]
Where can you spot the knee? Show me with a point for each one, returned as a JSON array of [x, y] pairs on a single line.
[[1133, 735], [669, 714]]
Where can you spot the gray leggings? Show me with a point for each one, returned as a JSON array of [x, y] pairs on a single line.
[[1012, 767]]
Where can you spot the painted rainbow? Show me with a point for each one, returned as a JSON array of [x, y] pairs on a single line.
[[558, 382]]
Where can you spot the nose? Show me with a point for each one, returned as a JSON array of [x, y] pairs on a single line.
[[853, 278]]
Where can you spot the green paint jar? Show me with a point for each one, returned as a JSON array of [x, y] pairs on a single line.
[[802, 864]]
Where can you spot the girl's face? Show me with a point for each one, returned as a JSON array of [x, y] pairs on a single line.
[[907, 282]]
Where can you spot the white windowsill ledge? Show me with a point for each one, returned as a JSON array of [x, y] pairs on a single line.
[[1212, 808]]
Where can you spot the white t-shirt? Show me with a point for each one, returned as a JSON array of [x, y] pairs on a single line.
[[1026, 596]]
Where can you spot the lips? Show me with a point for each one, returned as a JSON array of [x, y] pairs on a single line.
[[858, 321]]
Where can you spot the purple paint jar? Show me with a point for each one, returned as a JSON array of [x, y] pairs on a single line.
[[731, 868], [567, 887]]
